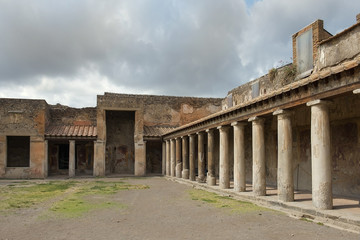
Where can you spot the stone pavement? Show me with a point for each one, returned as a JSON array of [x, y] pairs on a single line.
[[344, 215]]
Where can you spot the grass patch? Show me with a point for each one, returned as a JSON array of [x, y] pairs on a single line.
[[27, 194], [305, 219], [71, 198], [231, 204], [86, 198]]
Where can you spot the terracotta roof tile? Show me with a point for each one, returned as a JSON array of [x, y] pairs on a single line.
[[156, 131], [71, 131]]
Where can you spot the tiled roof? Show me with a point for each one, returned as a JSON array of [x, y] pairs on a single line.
[[156, 131], [61, 131]]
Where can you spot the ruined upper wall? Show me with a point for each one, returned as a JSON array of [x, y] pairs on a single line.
[[64, 115], [327, 51], [162, 110], [23, 117], [341, 47]]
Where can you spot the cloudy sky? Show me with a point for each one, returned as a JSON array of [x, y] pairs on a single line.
[[69, 51]]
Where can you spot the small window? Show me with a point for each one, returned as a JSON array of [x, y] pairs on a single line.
[[229, 100], [304, 52], [18, 151], [255, 89]]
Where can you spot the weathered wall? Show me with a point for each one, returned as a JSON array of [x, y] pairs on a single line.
[[344, 46], [22, 117], [120, 142], [151, 111], [64, 115]]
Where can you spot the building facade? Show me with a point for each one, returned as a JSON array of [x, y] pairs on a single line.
[[296, 128]]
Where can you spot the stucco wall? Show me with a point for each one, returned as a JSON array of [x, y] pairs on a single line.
[[23, 117]]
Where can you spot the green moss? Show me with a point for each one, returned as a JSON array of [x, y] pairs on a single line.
[[231, 204]]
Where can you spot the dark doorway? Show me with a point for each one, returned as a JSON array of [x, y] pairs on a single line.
[[120, 148], [153, 156], [64, 156]]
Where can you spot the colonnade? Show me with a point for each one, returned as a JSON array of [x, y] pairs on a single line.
[[181, 156]]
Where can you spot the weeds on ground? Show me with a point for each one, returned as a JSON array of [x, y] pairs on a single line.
[[225, 202]]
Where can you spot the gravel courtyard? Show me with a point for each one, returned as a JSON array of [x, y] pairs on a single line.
[[140, 208]]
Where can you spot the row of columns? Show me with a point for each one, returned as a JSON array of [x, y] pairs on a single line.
[[180, 156]]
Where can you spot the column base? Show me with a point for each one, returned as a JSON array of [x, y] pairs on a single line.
[[211, 181], [178, 170], [201, 179], [185, 174]]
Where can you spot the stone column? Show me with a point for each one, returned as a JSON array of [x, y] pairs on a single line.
[[99, 158], [320, 155], [211, 177], [201, 158], [178, 158], [185, 157], [192, 157], [163, 159], [172, 157], [239, 157], [46, 160], [168, 165], [258, 151], [224, 175], [71, 158], [285, 178]]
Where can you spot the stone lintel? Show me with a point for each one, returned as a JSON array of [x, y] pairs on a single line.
[[317, 102], [357, 91]]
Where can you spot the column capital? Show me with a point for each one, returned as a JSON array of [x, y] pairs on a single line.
[[283, 113], [238, 123], [318, 102], [192, 135], [256, 119], [210, 130], [71, 141], [182, 137], [356, 91], [200, 133], [223, 128]]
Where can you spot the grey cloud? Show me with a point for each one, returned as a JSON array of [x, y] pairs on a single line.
[[199, 48]]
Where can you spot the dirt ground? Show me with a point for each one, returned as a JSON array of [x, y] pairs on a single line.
[[166, 210]]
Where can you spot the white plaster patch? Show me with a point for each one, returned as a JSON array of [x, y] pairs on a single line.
[[187, 108]]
